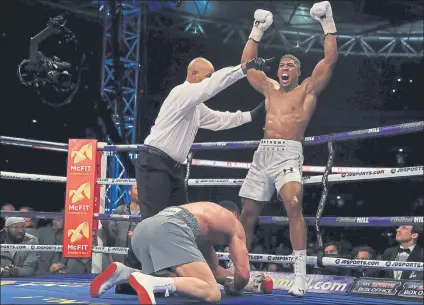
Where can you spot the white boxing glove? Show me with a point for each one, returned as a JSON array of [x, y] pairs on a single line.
[[229, 286], [323, 13], [263, 20], [230, 266], [259, 283]]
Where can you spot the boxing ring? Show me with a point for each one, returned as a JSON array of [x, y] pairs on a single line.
[[69, 289]]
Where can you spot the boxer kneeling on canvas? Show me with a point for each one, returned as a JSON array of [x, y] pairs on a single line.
[[175, 248]]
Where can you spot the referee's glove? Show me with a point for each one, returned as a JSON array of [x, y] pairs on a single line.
[[260, 64], [258, 111]]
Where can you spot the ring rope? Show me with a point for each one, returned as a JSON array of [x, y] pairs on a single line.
[[227, 164], [257, 258], [305, 168], [323, 199], [359, 221], [34, 146], [21, 141], [388, 173], [343, 136], [189, 161], [224, 164]]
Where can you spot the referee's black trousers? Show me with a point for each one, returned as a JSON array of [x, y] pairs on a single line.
[[160, 183]]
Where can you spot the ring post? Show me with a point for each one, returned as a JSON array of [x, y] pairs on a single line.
[[82, 198], [323, 200], [97, 258]]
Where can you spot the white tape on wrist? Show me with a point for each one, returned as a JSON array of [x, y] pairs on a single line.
[[256, 34], [329, 26], [230, 285]]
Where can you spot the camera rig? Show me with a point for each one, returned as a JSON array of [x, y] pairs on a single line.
[[40, 71]]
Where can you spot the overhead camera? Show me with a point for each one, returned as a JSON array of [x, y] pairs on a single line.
[[46, 71], [40, 71]]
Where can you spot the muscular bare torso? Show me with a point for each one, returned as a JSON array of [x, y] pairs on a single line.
[[216, 224], [288, 113]]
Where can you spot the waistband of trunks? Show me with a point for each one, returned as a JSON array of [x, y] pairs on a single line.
[[183, 215], [280, 144]]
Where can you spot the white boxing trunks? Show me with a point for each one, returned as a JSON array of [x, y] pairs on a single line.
[[275, 163]]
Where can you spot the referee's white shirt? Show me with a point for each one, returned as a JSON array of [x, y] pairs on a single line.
[[183, 113]]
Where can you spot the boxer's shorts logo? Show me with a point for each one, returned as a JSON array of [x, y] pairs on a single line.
[[83, 192], [388, 264], [337, 261], [393, 171], [288, 170], [32, 247], [84, 153], [79, 233]]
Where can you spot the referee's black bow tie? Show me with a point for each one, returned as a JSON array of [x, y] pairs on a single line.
[[400, 250]]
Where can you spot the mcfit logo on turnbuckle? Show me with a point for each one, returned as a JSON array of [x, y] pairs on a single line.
[[84, 153], [82, 198], [83, 230], [83, 192]]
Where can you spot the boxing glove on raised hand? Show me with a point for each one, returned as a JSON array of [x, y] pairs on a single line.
[[263, 20], [323, 13]]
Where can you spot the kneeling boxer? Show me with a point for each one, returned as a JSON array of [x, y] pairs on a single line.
[[175, 248]]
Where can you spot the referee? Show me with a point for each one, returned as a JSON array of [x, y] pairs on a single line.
[[159, 170]]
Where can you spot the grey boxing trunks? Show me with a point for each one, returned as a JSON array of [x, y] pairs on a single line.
[[275, 163], [166, 240]]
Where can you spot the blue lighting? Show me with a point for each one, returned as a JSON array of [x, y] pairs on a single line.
[[154, 5]]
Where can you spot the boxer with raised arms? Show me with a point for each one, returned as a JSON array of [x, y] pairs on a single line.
[[278, 161]]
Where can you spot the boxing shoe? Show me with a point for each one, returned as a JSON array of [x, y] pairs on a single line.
[[115, 273], [146, 286], [143, 285], [300, 285]]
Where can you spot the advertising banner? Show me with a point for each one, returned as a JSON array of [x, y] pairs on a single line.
[[317, 283], [81, 195], [392, 289]]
